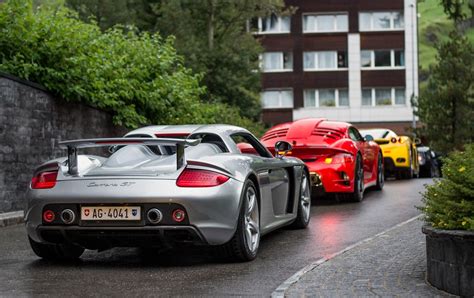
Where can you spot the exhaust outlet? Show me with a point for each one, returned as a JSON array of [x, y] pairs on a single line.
[[154, 216], [68, 216]]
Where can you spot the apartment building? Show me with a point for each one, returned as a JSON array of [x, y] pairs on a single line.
[[348, 60]]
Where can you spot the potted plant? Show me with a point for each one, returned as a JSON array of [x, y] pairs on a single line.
[[449, 214]]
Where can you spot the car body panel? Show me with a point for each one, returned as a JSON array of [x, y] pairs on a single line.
[[134, 175], [316, 139], [399, 152]]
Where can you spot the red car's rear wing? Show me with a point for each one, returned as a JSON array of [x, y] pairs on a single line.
[[73, 145]]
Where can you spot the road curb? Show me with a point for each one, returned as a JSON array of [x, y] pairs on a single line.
[[11, 218], [281, 290]]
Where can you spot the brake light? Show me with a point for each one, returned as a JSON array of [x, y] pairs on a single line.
[[43, 180], [48, 216], [200, 178], [393, 140]]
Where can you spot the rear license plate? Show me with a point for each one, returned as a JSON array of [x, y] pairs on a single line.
[[111, 213]]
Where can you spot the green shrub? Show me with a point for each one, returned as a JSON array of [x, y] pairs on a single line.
[[449, 202], [139, 78]]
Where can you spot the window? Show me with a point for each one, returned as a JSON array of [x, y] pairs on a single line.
[[324, 60], [354, 134], [325, 23], [277, 61], [274, 24], [366, 97], [247, 144], [383, 96], [380, 21], [326, 98], [400, 97], [277, 99], [382, 58]]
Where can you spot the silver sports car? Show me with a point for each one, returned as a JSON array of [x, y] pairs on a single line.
[[161, 186]]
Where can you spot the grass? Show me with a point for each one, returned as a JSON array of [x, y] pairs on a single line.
[[433, 28]]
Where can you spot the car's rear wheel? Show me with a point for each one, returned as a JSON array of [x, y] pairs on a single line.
[[56, 251], [304, 204], [358, 194], [244, 244], [380, 173]]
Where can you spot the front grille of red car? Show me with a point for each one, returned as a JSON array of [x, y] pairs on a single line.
[[278, 133], [328, 133]]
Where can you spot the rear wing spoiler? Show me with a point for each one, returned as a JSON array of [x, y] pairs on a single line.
[[382, 141], [73, 145]]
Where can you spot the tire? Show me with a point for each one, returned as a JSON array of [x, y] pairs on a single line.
[[56, 251], [380, 173], [358, 194], [304, 204], [243, 246]]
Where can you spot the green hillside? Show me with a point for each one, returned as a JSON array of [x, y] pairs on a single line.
[[433, 26]]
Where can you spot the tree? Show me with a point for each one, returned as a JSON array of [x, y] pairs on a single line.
[[446, 107], [213, 37], [456, 9], [108, 13]]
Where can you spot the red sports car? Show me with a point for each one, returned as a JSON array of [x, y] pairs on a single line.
[[340, 160]]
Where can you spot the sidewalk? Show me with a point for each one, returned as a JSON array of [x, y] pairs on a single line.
[[11, 218], [392, 264]]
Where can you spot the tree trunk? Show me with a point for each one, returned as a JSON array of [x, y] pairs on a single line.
[[210, 24]]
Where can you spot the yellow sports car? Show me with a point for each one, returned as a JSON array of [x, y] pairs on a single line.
[[399, 152]]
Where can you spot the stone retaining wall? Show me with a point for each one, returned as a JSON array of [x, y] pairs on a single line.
[[32, 121]]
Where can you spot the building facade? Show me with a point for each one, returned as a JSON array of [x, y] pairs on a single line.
[[348, 60]]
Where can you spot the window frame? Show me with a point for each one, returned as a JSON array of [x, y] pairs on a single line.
[[282, 60], [279, 90], [373, 102], [315, 55], [279, 31], [372, 59], [317, 104], [254, 142], [334, 14], [392, 21]]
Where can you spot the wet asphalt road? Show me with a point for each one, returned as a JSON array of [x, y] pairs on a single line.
[[130, 272]]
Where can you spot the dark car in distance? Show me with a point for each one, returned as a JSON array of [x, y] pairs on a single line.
[[430, 162]]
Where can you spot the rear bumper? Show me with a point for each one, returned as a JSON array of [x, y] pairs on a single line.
[[104, 237], [330, 177], [212, 212]]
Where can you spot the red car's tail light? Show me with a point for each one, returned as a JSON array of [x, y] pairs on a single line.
[[200, 178], [46, 179], [48, 216]]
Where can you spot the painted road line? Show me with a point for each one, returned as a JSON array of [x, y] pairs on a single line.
[[281, 290]]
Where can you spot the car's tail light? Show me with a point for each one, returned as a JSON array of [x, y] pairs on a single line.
[[200, 178], [393, 140], [179, 215], [48, 216], [339, 159], [44, 179]]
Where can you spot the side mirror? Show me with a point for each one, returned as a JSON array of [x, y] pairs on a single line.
[[417, 141], [368, 138], [282, 148]]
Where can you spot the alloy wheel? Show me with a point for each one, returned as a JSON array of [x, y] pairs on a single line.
[[252, 221]]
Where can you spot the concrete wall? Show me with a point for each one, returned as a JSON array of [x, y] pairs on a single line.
[[32, 121]]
